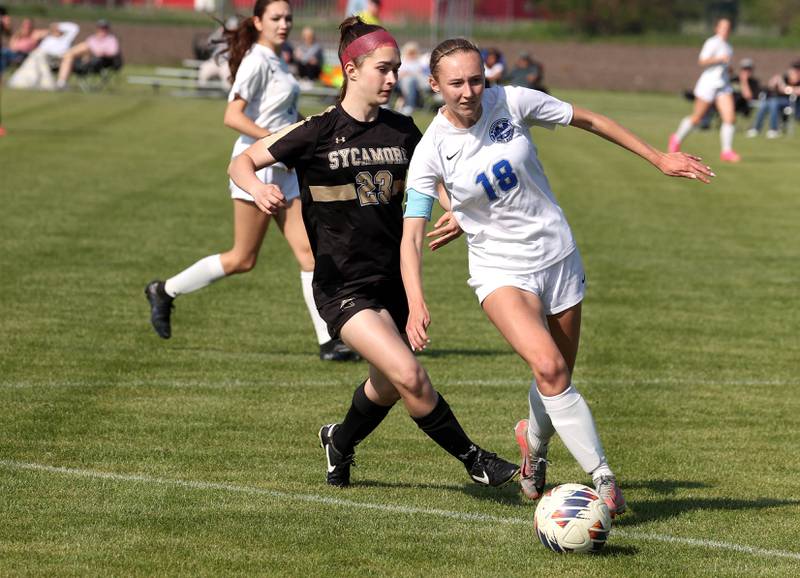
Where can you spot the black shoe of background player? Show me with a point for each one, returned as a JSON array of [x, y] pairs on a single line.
[[160, 308], [338, 464], [490, 470], [336, 350]]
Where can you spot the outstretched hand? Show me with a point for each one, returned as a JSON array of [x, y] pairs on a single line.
[[444, 230], [686, 166], [269, 198]]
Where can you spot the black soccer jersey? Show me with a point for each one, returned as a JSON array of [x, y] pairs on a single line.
[[352, 179]]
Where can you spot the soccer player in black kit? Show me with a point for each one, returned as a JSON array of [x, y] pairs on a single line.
[[351, 162]]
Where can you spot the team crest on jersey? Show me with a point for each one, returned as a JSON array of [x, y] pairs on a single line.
[[502, 130]]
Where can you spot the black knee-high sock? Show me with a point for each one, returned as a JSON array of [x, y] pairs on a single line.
[[362, 418], [442, 427]]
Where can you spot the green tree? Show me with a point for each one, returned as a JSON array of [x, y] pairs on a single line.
[[783, 14], [599, 17]]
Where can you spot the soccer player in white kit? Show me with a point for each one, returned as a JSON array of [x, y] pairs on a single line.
[[524, 264], [262, 100], [713, 87]]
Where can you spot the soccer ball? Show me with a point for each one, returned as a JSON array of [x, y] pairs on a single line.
[[572, 518]]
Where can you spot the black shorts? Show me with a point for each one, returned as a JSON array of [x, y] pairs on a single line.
[[389, 295]]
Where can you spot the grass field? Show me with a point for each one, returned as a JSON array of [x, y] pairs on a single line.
[[122, 454]]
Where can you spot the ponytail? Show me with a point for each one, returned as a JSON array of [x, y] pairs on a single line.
[[241, 38]]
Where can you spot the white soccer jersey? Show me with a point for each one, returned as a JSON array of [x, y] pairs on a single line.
[[716, 75], [270, 89], [499, 193]]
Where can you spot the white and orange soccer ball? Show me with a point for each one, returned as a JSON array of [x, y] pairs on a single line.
[[572, 518]]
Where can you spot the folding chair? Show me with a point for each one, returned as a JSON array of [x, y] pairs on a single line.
[[97, 73]]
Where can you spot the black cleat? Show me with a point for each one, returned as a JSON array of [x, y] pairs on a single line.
[[160, 308], [336, 350], [337, 463], [490, 470]]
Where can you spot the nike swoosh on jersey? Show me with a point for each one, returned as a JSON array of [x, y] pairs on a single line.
[[484, 479], [328, 457], [452, 156]]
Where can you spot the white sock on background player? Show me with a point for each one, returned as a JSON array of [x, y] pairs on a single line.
[[201, 274], [572, 420], [540, 427], [684, 128], [320, 327], [726, 136]]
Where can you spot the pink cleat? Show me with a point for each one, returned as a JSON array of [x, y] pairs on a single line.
[[608, 489], [674, 145], [729, 156], [533, 469]]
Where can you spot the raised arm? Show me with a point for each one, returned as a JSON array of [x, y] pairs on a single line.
[[671, 164], [242, 171]]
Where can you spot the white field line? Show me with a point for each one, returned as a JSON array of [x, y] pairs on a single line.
[[444, 383], [409, 510]]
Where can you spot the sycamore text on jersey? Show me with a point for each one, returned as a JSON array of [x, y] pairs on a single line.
[[367, 156]]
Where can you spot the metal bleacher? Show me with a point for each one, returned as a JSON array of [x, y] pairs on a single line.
[[182, 82]]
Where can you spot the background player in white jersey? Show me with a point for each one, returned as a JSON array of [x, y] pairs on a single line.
[[262, 100], [713, 87], [524, 265], [352, 161]]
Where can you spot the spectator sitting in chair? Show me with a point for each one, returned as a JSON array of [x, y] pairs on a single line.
[[20, 44], [782, 91], [215, 67], [747, 89], [527, 73], [36, 70], [493, 67], [98, 51], [412, 79], [308, 56]]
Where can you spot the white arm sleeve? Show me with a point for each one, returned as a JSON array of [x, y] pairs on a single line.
[[538, 108]]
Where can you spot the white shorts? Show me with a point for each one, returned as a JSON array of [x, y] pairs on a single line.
[[709, 92], [559, 286], [278, 174]]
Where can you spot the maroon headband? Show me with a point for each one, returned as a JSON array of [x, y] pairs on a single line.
[[366, 44]]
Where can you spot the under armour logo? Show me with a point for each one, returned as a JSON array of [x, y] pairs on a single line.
[[340, 139]]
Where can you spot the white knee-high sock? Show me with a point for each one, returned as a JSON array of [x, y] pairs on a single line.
[[321, 328], [684, 128], [540, 427], [201, 274], [726, 136], [573, 421]]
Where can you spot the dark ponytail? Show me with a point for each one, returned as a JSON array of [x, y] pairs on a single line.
[[241, 38], [351, 29]]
